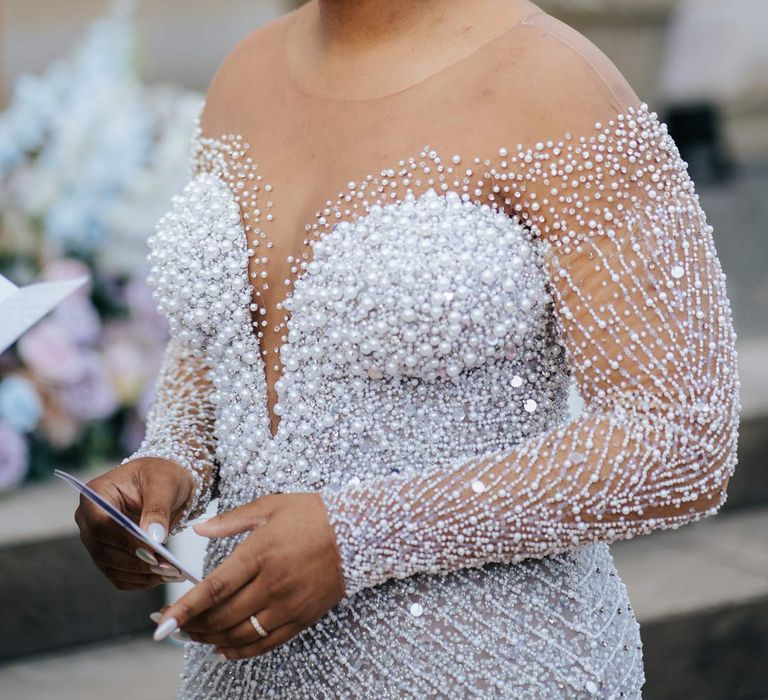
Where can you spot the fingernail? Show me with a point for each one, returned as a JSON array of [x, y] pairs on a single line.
[[157, 532], [165, 628], [155, 617], [165, 570], [173, 579], [181, 636], [146, 556]]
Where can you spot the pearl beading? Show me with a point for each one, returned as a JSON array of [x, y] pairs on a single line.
[[471, 515], [644, 315], [180, 425]]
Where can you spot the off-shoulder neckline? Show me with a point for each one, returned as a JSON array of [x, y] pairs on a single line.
[[285, 68]]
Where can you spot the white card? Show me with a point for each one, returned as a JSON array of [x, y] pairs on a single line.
[[22, 307], [127, 524]]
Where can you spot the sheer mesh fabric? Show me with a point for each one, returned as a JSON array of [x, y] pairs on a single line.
[[390, 296], [180, 424], [511, 91]]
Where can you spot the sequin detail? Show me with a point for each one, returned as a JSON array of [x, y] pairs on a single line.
[[432, 335]]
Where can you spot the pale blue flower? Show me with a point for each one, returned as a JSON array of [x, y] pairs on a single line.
[[20, 405]]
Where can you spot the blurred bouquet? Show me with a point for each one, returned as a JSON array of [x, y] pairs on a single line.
[[89, 160]]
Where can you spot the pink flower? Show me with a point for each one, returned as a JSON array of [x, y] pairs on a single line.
[[78, 320], [14, 457], [59, 428], [50, 354], [138, 297], [127, 366], [90, 396], [133, 434], [66, 269]]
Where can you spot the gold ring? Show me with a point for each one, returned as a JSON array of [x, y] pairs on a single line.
[[257, 626]]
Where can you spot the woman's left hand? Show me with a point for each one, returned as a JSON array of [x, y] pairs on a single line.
[[287, 572]]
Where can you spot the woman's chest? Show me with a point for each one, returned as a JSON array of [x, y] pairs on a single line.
[[424, 285]]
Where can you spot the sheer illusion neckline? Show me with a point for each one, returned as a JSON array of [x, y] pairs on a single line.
[[290, 80], [240, 164]]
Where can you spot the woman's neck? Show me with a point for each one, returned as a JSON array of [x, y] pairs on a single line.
[[352, 24], [358, 25], [390, 43]]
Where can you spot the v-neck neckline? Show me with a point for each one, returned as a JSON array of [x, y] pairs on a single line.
[[304, 271], [424, 180], [423, 174]]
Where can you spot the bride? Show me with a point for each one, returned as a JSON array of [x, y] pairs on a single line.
[[407, 228]]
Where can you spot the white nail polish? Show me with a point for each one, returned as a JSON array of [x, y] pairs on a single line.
[[173, 579], [181, 636], [165, 628], [157, 532], [169, 568], [146, 556], [156, 617], [165, 570]]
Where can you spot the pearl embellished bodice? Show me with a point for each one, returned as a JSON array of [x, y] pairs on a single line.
[[431, 321]]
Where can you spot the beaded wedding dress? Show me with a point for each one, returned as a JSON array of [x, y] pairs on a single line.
[[428, 321]]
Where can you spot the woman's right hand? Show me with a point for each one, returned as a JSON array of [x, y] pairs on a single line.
[[152, 492]]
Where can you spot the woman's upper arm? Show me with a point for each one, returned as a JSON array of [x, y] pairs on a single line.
[[641, 306], [639, 293]]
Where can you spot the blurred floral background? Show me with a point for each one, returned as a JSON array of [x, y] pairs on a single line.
[[89, 158]]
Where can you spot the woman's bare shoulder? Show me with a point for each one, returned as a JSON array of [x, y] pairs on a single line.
[[242, 74], [549, 79], [573, 53]]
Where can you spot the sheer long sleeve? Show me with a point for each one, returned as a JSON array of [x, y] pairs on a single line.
[[181, 419], [180, 424], [641, 308]]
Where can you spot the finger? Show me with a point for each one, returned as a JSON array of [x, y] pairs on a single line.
[[279, 636], [238, 607], [119, 559], [153, 559], [241, 519], [122, 585], [95, 525], [117, 576], [97, 528], [166, 570], [240, 567], [240, 635], [159, 495]]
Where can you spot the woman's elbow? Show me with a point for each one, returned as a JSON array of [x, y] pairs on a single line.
[[716, 459]]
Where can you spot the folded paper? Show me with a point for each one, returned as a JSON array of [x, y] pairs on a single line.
[[22, 307], [127, 524]]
